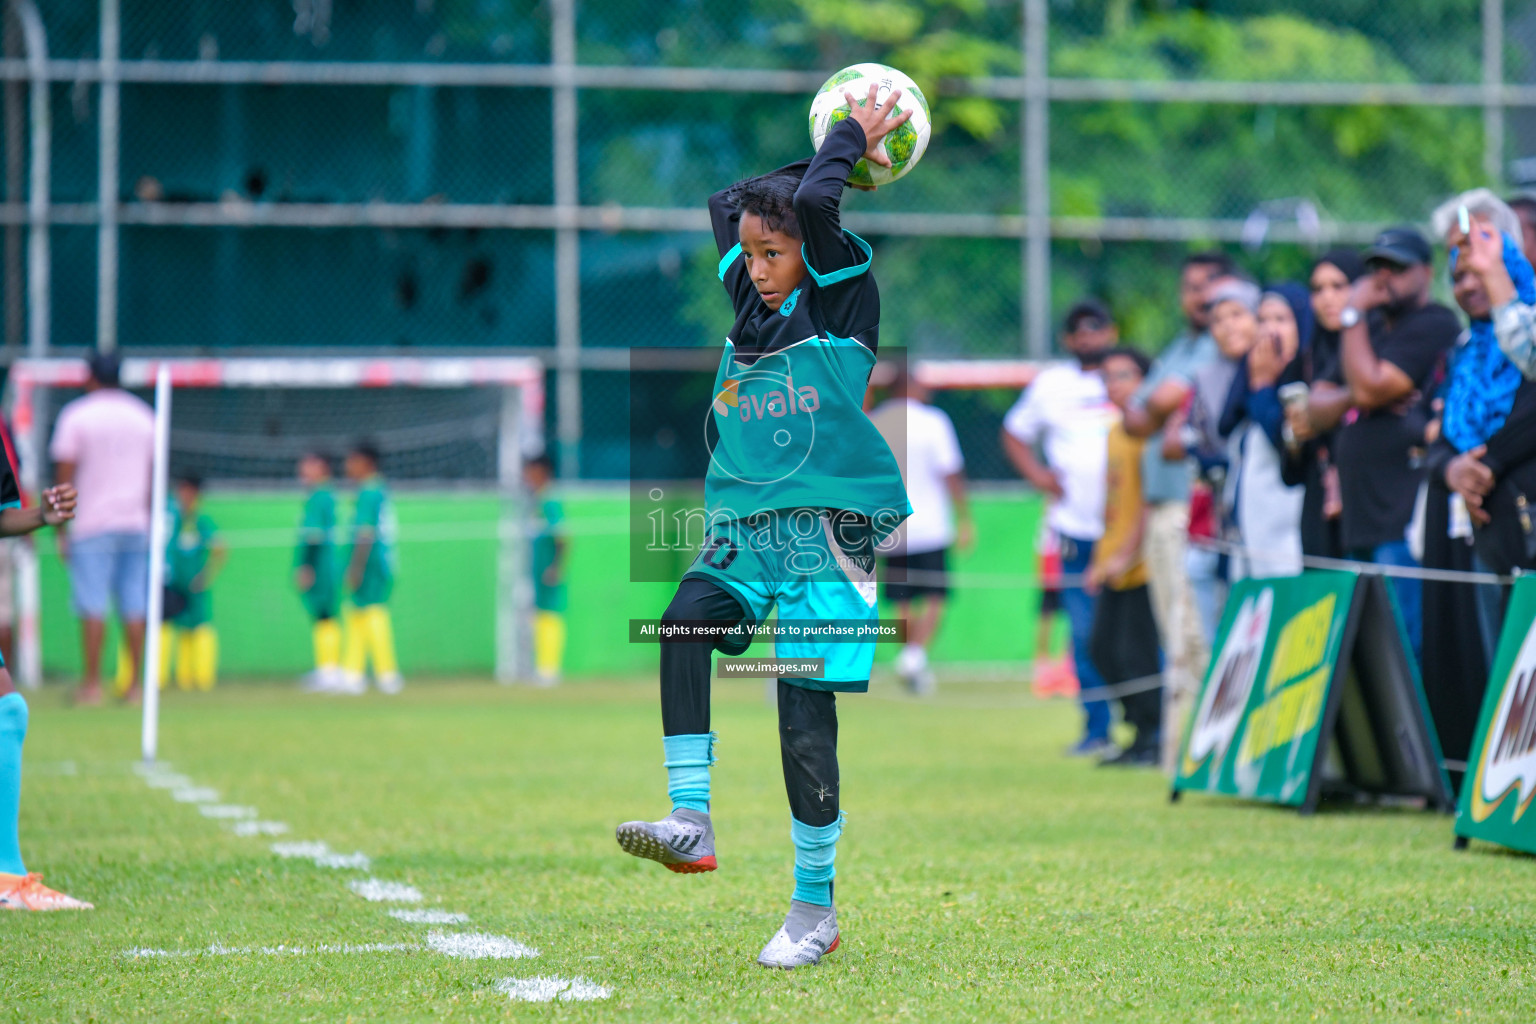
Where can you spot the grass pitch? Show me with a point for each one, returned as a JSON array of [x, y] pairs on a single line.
[[981, 877]]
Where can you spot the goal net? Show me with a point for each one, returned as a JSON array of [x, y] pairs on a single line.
[[453, 434]]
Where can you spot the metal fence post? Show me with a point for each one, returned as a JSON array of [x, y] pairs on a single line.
[[1493, 92], [39, 176], [1035, 169], [106, 191], [30, 438], [567, 238], [15, 174]]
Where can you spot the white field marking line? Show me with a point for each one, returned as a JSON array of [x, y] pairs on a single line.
[[259, 828], [217, 949], [356, 861], [226, 811], [377, 890], [429, 916], [323, 856], [195, 795], [168, 781], [463, 945], [542, 989], [478, 946]]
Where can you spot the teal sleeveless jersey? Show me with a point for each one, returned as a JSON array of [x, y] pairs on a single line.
[[790, 431], [787, 428]]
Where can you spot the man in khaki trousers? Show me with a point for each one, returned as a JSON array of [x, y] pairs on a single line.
[[1158, 407]]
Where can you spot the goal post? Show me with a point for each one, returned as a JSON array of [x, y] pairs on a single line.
[[464, 422]]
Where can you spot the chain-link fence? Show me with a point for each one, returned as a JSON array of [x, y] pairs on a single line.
[[437, 175]]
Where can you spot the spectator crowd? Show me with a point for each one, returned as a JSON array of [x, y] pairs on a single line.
[[1350, 416]]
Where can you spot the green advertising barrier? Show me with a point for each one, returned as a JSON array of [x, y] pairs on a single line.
[[1310, 692], [1501, 770]]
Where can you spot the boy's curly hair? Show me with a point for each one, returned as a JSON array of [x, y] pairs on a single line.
[[771, 197]]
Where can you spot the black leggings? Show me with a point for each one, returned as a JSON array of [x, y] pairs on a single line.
[[1124, 648], [807, 718]]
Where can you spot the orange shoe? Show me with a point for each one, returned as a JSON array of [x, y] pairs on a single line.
[[1042, 680], [27, 892], [1066, 678], [1055, 678]]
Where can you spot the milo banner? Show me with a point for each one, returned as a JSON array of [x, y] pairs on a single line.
[[1311, 693], [1501, 769]]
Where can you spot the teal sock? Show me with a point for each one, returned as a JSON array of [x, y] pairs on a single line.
[[688, 761], [815, 850], [13, 729]]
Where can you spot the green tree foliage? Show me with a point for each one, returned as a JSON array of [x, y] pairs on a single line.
[[1218, 160], [1369, 163]]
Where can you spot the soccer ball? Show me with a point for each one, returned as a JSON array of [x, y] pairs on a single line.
[[904, 146]]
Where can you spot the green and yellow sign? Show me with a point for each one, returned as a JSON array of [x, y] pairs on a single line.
[[1497, 794], [1309, 685]]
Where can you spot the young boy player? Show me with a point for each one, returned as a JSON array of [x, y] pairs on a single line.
[[194, 557], [315, 572], [20, 890], [370, 579], [800, 488]]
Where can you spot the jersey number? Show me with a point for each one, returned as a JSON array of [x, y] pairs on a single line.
[[713, 556]]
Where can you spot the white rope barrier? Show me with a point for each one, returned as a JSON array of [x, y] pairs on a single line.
[[1351, 565], [599, 526]]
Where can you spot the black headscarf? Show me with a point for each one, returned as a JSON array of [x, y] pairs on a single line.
[[1320, 359]]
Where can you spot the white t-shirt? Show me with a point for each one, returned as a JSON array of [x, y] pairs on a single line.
[[1067, 410], [110, 437], [923, 440]]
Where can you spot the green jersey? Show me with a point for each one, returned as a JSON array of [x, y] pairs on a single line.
[[186, 556], [316, 549], [548, 597], [374, 519]]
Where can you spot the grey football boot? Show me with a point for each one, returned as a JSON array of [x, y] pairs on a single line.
[[809, 933], [683, 841]]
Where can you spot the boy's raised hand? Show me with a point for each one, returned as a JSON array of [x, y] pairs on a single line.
[[876, 121], [58, 504]]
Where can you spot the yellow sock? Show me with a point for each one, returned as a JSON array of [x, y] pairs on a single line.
[[381, 637], [123, 678], [354, 658], [168, 652], [327, 634], [548, 643], [185, 644], [205, 656]]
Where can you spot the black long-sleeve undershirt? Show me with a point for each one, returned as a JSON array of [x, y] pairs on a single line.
[[817, 207]]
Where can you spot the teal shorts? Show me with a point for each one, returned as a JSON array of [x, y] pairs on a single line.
[[820, 575]]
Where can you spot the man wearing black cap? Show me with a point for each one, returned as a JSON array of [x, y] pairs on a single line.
[[1380, 444], [104, 444], [1066, 410]]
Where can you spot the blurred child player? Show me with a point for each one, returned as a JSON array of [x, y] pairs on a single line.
[[916, 554], [370, 579], [315, 570], [799, 490], [193, 559], [1053, 674], [20, 889], [549, 598]]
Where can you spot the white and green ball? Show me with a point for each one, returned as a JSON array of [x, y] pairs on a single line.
[[904, 146]]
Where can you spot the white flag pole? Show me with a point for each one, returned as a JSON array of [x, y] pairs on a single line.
[[157, 528]]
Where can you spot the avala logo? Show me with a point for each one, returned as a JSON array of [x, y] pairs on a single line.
[[787, 400], [1509, 750], [1231, 681], [776, 445]]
